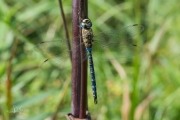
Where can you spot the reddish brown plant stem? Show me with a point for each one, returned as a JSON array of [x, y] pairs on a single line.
[[83, 100], [76, 60]]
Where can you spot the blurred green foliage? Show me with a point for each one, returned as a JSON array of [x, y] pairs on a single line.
[[147, 89]]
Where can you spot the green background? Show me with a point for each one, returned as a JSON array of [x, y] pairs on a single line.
[[145, 89]]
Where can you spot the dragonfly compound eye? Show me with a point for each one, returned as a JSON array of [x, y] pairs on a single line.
[[89, 25], [86, 24], [82, 25]]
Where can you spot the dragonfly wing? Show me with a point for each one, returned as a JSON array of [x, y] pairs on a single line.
[[55, 51], [120, 42], [51, 48]]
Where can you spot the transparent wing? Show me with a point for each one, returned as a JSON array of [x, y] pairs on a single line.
[[119, 42], [52, 48], [56, 52]]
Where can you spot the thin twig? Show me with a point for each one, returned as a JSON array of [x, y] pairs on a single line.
[[65, 28]]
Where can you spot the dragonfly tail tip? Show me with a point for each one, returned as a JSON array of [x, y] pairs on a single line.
[[95, 101]]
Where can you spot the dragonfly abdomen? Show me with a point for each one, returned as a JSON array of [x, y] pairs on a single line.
[[92, 73]]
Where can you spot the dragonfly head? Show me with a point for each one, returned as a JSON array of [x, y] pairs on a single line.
[[86, 24]]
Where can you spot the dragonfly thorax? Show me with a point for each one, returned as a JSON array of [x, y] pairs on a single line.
[[87, 33], [87, 36]]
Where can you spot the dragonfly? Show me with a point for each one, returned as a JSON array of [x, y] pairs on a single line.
[[118, 41]]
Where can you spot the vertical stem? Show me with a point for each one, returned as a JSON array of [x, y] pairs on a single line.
[[83, 97], [76, 60]]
